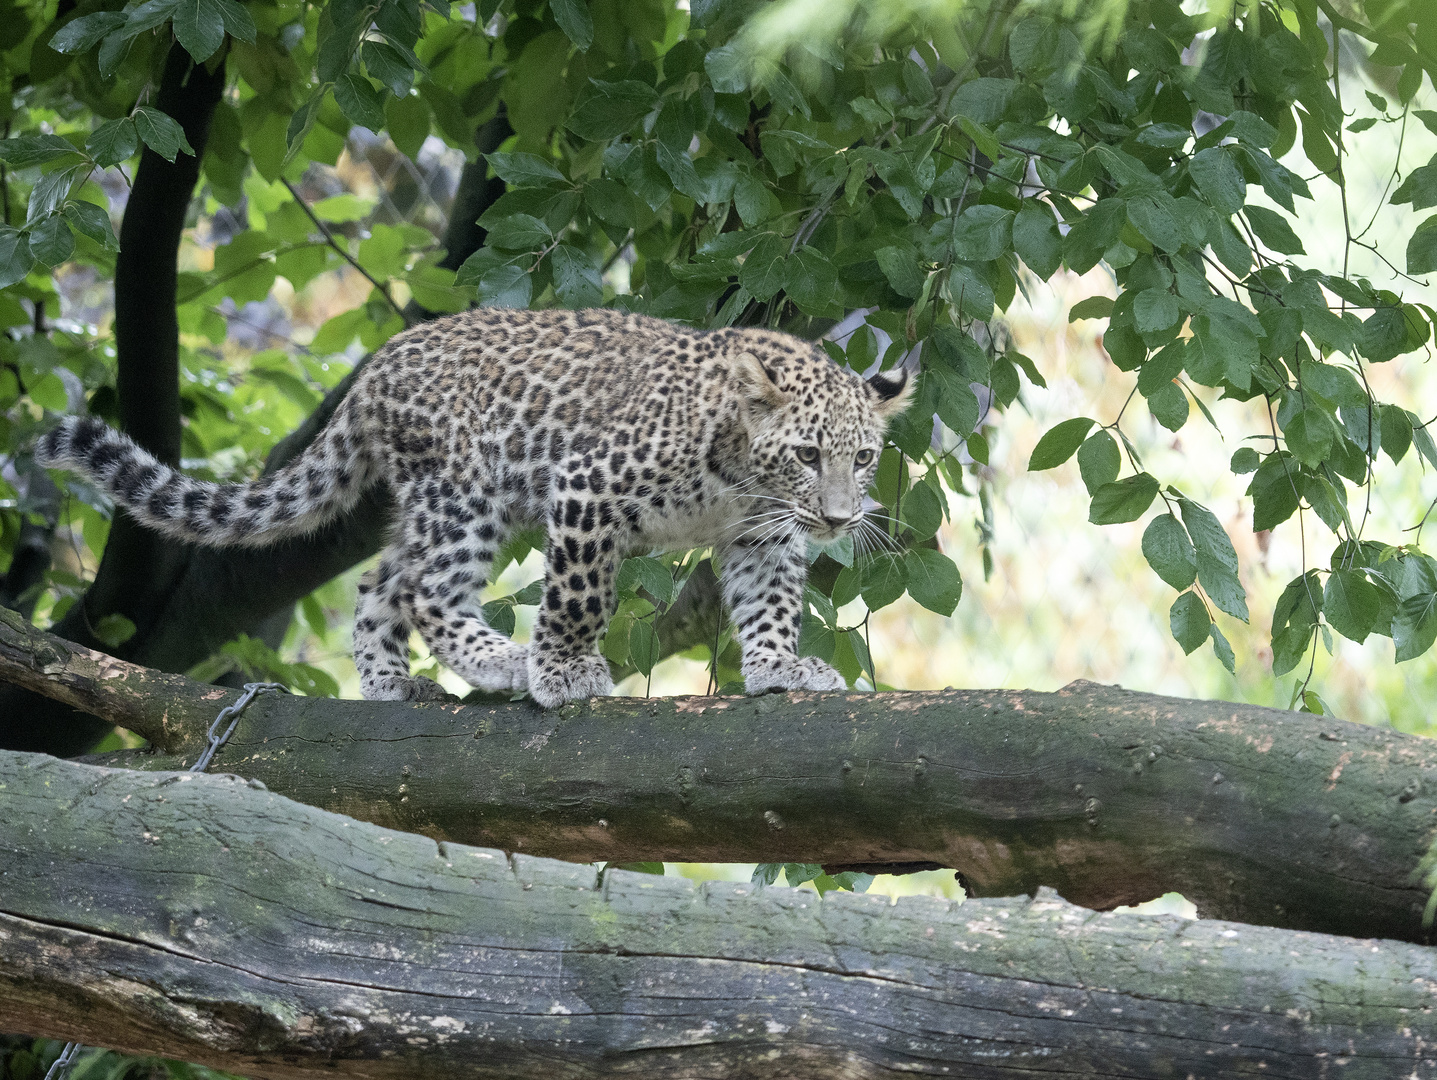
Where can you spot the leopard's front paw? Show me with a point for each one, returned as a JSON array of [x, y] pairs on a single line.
[[790, 673], [554, 680], [403, 688], [504, 669]]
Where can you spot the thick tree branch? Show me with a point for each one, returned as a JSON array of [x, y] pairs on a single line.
[[201, 918], [173, 712], [1110, 796]]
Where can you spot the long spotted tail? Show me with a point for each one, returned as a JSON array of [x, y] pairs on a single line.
[[319, 485]]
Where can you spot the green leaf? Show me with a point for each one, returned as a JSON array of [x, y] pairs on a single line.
[[385, 63], [1099, 461], [31, 150], [1419, 189], [200, 27], [1223, 650], [643, 647], [501, 283], [83, 34], [94, 222], [520, 232], [900, 265], [576, 278], [933, 580], [1309, 436], [15, 257], [1273, 491], [237, 20], [343, 207], [1396, 428], [922, 511], [1244, 460], [50, 240], [1169, 552], [1334, 384], [811, 282], [1169, 406], [983, 233], [1414, 627], [506, 286], [1125, 500], [1154, 310], [113, 142], [1189, 621], [114, 629], [1059, 444], [161, 133], [1156, 217], [1094, 307], [1218, 178], [149, 15], [1273, 230], [1351, 604], [574, 19], [1422, 248], [1216, 559], [1037, 240], [884, 580], [607, 109], [763, 269], [649, 573], [523, 170], [360, 102]]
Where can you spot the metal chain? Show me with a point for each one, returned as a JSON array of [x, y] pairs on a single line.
[[216, 738], [62, 1063], [232, 714]]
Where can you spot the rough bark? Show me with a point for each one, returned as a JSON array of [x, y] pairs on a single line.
[[1110, 796], [201, 918], [172, 711]]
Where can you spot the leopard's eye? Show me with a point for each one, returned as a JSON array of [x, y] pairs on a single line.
[[863, 457], [808, 455]]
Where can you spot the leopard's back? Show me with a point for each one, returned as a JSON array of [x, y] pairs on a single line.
[[497, 399]]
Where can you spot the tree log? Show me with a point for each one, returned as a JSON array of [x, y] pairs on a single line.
[[1111, 797], [201, 918]]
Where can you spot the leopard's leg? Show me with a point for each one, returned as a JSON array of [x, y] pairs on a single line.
[[381, 637], [763, 585], [450, 544], [579, 572]]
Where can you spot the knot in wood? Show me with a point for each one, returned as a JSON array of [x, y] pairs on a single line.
[[1411, 791], [774, 821]]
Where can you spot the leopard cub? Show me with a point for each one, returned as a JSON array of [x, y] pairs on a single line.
[[618, 432]]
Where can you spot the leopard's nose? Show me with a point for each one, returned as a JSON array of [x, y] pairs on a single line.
[[835, 522]]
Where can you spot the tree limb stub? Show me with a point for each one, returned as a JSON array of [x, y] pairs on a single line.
[[1109, 796], [199, 917], [173, 712]]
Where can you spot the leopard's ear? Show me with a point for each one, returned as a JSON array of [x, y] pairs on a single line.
[[892, 392], [756, 383]]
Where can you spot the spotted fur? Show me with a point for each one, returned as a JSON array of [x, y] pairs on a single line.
[[618, 432]]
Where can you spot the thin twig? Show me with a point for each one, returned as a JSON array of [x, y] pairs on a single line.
[[344, 252]]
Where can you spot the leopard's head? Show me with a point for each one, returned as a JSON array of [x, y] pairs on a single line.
[[815, 432]]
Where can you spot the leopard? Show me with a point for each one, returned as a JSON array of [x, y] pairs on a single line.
[[614, 431]]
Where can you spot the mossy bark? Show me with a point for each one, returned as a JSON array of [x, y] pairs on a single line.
[[1109, 796], [202, 918]]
